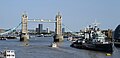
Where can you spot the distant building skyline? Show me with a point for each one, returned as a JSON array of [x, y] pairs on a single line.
[[37, 30], [40, 27], [63, 30], [47, 30]]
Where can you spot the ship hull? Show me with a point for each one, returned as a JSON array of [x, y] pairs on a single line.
[[96, 47], [117, 44]]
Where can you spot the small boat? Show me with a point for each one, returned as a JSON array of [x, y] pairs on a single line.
[[54, 45], [3, 38], [7, 54], [41, 35]]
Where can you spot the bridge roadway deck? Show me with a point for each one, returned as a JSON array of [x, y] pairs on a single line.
[[39, 48]]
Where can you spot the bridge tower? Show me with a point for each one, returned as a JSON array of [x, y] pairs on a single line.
[[58, 28], [24, 32]]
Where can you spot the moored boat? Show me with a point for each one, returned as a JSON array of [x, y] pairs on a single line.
[[107, 47], [94, 39], [7, 54], [3, 38]]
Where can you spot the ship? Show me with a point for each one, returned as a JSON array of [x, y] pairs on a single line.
[[3, 38], [94, 39], [7, 54], [117, 36]]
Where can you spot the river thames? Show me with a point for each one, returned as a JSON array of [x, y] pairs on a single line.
[[39, 48]]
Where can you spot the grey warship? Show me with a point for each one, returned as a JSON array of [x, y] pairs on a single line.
[[94, 39]]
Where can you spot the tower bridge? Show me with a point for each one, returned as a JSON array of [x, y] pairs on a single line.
[[58, 37]]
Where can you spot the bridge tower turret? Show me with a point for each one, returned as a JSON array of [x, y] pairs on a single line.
[[24, 32], [58, 28]]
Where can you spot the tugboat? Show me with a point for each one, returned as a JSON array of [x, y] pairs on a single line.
[[94, 39]]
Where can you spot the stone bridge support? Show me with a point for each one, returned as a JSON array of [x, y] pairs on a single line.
[[58, 28], [24, 32]]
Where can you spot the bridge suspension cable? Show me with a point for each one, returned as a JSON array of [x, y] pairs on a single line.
[[69, 29], [11, 30]]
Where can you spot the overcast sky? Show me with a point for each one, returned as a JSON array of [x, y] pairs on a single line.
[[76, 14]]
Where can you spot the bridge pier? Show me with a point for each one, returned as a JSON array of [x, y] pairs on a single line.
[[24, 33], [58, 29]]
